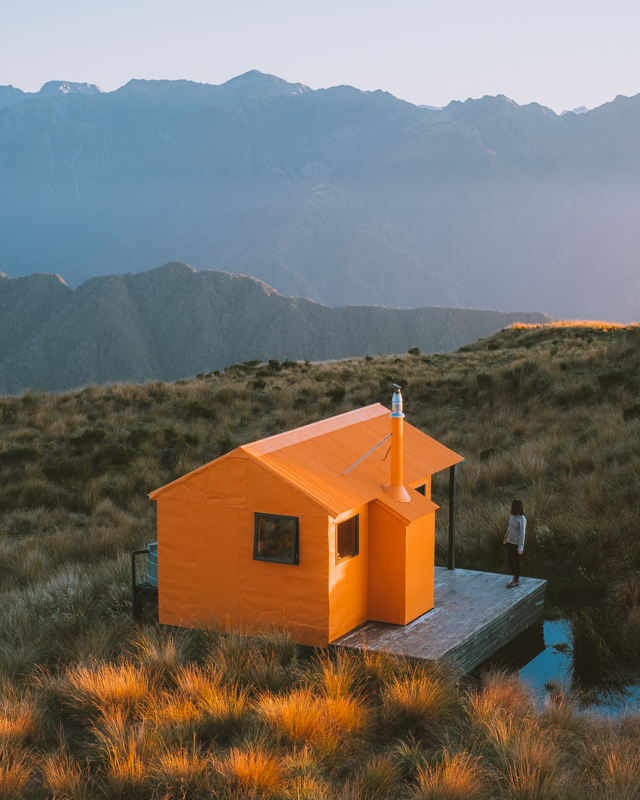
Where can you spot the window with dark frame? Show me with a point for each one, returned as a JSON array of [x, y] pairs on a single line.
[[347, 538], [422, 489], [275, 539]]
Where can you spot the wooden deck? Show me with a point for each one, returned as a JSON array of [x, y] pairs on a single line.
[[474, 616]]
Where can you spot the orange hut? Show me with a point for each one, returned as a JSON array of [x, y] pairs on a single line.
[[315, 530]]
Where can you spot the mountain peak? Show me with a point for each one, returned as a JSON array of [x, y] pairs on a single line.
[[579, 110], [257, 78], [52, 88]]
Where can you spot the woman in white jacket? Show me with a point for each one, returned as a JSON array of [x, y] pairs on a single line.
[[514, 539]]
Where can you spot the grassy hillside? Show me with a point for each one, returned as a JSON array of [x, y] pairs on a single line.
[[91, 707]]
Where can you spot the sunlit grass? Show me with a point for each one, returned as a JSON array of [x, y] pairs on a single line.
[[457, 776]]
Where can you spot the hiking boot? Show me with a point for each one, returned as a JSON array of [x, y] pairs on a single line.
[[515, 582]]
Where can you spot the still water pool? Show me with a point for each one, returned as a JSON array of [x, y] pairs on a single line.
[[554, 666]]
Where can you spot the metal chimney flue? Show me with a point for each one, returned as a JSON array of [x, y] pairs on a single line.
[[396, 488]]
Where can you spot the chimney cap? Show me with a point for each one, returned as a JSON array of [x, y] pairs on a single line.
[[396, 401]]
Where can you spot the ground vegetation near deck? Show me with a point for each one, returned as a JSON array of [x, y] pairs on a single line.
[[190, 716], [549, 414]]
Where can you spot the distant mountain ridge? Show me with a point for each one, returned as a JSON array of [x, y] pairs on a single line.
[[174, 322], [10, 96], [338, 195]]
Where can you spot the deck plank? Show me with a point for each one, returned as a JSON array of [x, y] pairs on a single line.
[[474, 616]]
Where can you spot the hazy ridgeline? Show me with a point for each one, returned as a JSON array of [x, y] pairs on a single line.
[[340, 195], [93, 708], [173, 322]]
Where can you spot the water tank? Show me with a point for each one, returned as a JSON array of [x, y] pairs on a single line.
[[152, 564]]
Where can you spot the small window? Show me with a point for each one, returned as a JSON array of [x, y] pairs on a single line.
[[422, 489], [347, 538], [275, 539]]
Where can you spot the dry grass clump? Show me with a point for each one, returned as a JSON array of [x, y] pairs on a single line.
[[20, 722], [268, 661], [253, 771], [16, 773], [501, 695], [333, 728], [124, 756], [63, 779], [87, 691], [181, 774], [457, 776], [419, 705]]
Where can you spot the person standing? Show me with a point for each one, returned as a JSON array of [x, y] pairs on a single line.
[[514, 539]]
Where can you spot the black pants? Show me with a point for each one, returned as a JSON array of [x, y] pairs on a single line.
[[514, 559]]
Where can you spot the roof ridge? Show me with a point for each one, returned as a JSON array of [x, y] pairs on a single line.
[[281, 440]]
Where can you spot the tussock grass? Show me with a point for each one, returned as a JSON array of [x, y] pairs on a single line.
[[63, 779], [16, 773], [419, 705], [455, 777], [92, 707], [254, 771]]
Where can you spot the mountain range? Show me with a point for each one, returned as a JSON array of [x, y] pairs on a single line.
[[174, 322], [339, 195]]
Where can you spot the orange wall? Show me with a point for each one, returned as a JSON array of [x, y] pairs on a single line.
[[387, 559], [420, 557], [206, 568], [177, 563], [401, 566], [348, 580], [426, 481]]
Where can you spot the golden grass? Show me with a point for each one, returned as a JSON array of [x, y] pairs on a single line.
[[16, 773], [457, 776], [98, 689], [181, 774], [331, 726], [63, 779], [420, 705], [254, 772]]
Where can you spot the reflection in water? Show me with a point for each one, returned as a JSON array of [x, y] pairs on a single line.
[[555, 667]]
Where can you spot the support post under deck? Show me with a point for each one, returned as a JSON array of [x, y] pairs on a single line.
[[451, 560]]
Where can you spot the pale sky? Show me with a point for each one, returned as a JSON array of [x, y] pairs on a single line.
[[561, 53]]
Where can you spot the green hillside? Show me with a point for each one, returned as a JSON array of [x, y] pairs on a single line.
[[550, 414], [173, 322]]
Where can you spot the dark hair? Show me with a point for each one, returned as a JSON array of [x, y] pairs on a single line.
[[517, 509]]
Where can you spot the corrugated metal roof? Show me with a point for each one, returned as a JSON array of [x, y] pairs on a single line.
[[314, 429], [315, 457]]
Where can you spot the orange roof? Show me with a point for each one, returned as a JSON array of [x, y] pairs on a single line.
[[315, 457]]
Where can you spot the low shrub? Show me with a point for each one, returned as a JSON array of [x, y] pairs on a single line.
[[490, 452], [88, 437], [631, 413], [17, 455], [197, 410], [611, 378], [113, 455], [337, 394]]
